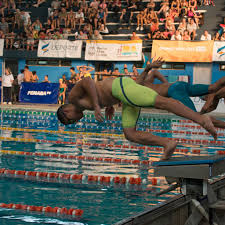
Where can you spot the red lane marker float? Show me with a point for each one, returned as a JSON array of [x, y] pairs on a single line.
[[80, 158], [46, 209], [80, 178]]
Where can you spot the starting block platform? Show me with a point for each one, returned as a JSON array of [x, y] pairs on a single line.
[[191, 174], [197, 167]]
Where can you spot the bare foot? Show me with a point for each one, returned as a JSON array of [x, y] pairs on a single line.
[[210, 105], [208, 125], [169, 150]]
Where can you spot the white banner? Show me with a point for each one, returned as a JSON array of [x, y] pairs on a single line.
[[108, 50], [198, 102], [219, 51], [1, 46], [59, 49]]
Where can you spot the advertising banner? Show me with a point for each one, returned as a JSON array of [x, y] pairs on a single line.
[[59, 49], [46, 93], [183, 51], [198, 102], [1, 46], [219, 51], [109, 50]]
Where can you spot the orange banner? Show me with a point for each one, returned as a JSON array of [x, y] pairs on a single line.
[[183, 51]]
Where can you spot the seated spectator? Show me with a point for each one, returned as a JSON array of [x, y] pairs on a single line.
[[191, 28], [169, 26], [55, 4], [25, 18], [96, 35], [206, 36], [46, 79], [37, 25], [176, 36], [35, 77], [30, 39], [175, 6], [154, 26], [216, 37], [62, 92], [164, 10], [161, 35], [57, 35], [2, 35], [125, 18], [151, 16], [151, 5], [102, 15], [64, 4], [186, 36], [4, 26], [183, 8], [222, 38], [84, 6], [140, 19], [63, 17], [9, 39], [71, 19], [192, 4], [182, 26], [94, 4], [102, 28], [18, 22], [134, 36], [39, 2], [49, 26], [80, 18], [82, 35], [55, 18]]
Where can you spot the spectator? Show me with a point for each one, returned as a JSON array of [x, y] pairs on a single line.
[[62, 92], [18, 22], [141, 17], [80, 18], [63, 17], [164, 10], [94, 4], [154, 26], [35, 76], [182, 26], [37, 25], [186, 36], [55, 4], [151, 4], [183, 8], [169, 26], [125, 17], [46, 79], [49, 26], [116, 72], [4, 26], [84, 71], [176, 36], [126, 72], [64, 79], [191, 28], [134, 36], [20, 77], [2, 35], [71, 19], [28, 76], [82, 35], [10, 38], [73, 74], [96, 35], [55, 18], [25, 18], [7, 81], [222, 38], [216, 37], [135, 73], [192, 4], [30, 41], [102, 28], [206, 36], [39, 2]]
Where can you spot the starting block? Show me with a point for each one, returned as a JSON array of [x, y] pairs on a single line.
[[192, 175]]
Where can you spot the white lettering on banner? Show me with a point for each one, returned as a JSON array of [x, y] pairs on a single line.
[[59, 48], [198, 102], [41, 93]]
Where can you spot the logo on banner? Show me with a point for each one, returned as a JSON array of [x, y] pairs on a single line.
[[91, 51], [128, 50], [45, 48], [221, 51]]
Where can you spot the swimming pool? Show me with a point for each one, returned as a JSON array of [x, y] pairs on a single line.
[[88, 167]]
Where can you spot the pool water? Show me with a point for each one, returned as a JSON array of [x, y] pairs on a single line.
[[90, 143]]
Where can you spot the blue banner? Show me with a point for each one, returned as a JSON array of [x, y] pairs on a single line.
[[45, 93]]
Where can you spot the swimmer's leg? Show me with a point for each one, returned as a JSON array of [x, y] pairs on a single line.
[[146, 138], [179, 109]]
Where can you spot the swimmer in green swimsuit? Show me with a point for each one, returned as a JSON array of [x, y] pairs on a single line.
[[88, 95], [182, 91]]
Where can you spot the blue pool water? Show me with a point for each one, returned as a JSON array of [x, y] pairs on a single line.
[[101, 203]]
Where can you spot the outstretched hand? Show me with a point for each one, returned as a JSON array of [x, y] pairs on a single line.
[[109, 112], [157, 63], [98, 115]]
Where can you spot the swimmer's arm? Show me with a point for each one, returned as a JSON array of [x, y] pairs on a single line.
[[86, 87], [158, 76]]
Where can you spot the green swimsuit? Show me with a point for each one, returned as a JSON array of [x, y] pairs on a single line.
[[134, 97]]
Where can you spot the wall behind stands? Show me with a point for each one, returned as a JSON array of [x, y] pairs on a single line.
[[53, 72], [216, 72]]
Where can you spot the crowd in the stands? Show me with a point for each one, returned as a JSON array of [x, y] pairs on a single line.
[[81, 19]]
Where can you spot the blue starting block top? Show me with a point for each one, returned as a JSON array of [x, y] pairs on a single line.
[[193, 160]]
